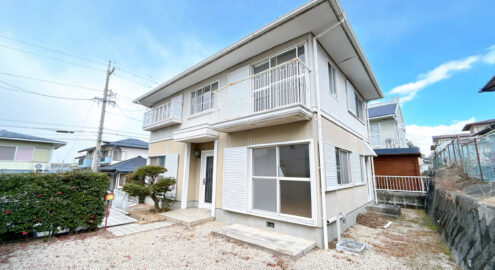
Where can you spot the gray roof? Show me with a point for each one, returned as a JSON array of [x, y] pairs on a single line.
[[447, 136], [382, 110], [468, 126], [9, 135], [130, 143], [125, 166], [489, 86], [398, 151]]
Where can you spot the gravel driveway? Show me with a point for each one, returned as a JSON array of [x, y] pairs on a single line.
[[177, 247]]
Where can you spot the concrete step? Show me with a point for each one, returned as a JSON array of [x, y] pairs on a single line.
[[274, 241], [189, 216]]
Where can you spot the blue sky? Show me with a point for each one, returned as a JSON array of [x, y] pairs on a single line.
[[403, 40]]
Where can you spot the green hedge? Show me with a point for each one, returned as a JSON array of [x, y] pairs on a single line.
[[51, 202]]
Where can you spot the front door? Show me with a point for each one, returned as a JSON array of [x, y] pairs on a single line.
[[206, 179]]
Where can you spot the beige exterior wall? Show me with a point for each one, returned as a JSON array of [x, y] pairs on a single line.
[[42, 152], [347, 199]]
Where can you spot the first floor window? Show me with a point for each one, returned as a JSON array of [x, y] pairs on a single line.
[[7, 152], [281, 180], [158, 160], [343, 168], [24, 153]]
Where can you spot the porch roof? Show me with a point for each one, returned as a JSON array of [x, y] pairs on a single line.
[[314, 17], [125, 166]]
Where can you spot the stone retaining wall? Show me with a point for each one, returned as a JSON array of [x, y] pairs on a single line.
[[467, 226]]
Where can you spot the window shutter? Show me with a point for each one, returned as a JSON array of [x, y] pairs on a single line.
[[234, 190], [171, 163], [330, 165], [356, 168]]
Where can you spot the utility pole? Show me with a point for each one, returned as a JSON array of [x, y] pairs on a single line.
[[105, 100]]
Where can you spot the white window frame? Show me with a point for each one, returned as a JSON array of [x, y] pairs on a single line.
[[379, 134], [331, 79], [158, 156], [339, 167], [212, 100], [280, 216]]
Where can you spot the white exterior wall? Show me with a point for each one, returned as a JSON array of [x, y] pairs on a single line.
[[336, 107], [128, 153]]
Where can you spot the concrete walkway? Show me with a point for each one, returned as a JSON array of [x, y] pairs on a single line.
[[189, 216], [135, 228], [274, 241], [116, 218]]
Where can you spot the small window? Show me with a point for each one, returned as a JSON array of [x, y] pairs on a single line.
[[375, 134], [343, 169], [331, 80], [7, 152], [158, 160], [202, 99]]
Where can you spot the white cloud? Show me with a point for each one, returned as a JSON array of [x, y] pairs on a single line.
[[444, 71], [421, 135]]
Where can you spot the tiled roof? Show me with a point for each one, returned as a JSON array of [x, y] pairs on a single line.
[[129, 165], [382, 110], [9, 135], [131, 143]]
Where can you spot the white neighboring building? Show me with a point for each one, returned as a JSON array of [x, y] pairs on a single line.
[[113, 152], [387, 129]]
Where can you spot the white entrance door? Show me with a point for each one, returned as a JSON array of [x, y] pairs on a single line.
[[206, 179]]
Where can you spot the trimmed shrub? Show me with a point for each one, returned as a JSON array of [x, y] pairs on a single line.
[[137, 190], [51, 202]]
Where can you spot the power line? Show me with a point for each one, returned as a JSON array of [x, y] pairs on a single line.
[[97, 61], [51, 58], [59, 126], [52, 82], [53, 50], [22, 90]]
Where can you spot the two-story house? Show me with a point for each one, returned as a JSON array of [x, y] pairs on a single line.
[[272, 131], [387, 129], [113, 152], [23, 153]]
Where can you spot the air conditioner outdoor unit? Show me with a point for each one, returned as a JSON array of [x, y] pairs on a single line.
[[39, 167]]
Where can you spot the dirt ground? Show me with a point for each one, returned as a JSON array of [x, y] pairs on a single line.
[[409, 243], [145, 214]]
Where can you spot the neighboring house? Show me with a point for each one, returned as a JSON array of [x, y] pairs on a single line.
[[21, 153], [113, 152], [387, 129], [272, 131], [475, 127], [63, 167], [397, 162], [117, 172]]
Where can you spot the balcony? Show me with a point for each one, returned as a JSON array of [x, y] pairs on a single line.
[[274, 96], [105, 160], [85, 163], [164, 115]]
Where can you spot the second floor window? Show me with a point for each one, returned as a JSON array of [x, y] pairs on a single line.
[[354, 102], [331, 80], [202, 99], [375, 134]]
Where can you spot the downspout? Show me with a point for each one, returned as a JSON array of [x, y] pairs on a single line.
[[320, 136]]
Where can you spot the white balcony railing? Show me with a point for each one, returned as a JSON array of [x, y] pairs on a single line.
[[168, 113], [417, 184], [280, 86]]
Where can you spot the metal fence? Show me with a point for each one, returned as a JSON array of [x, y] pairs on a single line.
[[418, 184], [475, 155]]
